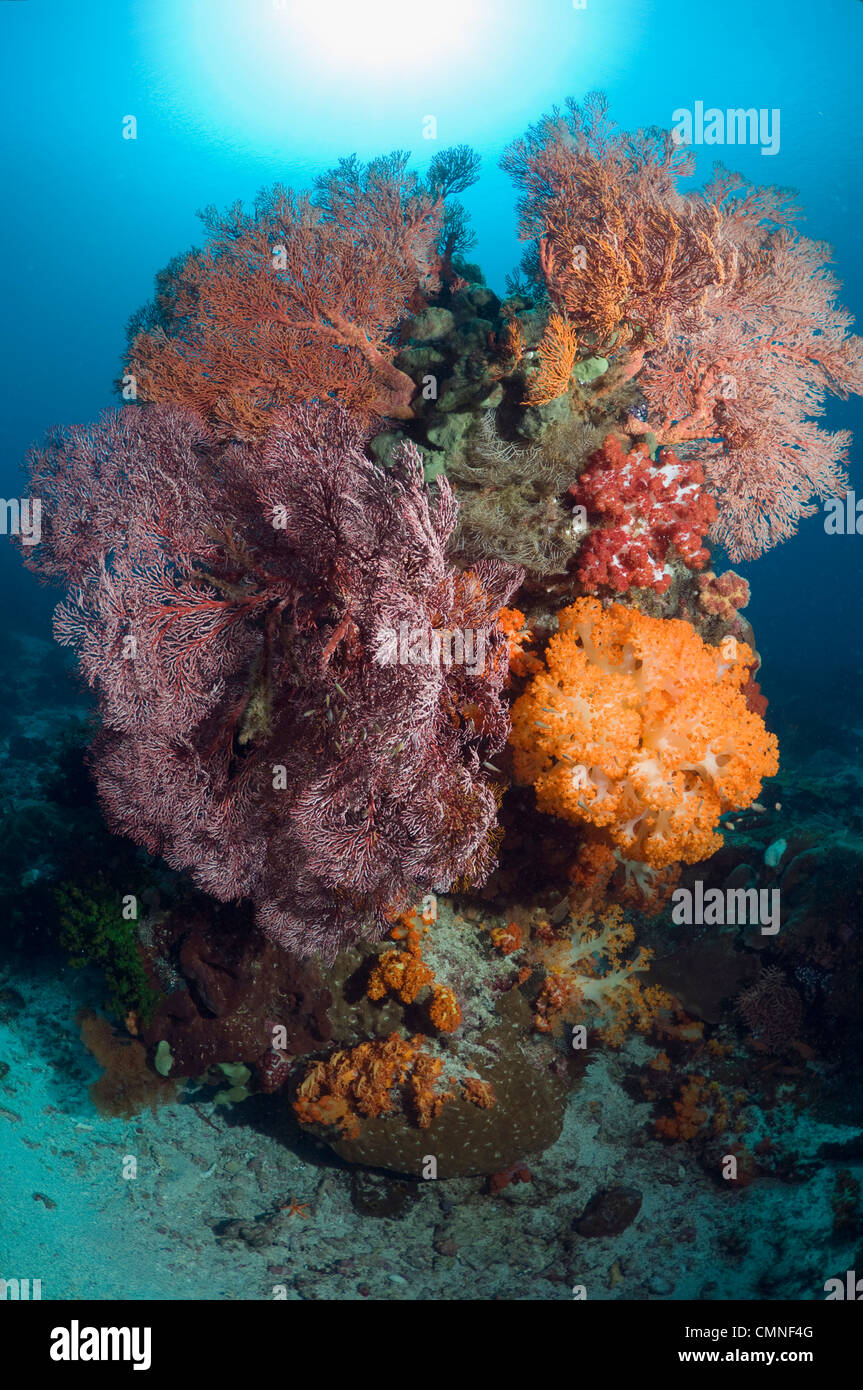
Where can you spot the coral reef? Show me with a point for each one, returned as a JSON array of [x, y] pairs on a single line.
[[346, 581]]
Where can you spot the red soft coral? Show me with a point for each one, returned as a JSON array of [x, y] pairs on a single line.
[[642, 510]]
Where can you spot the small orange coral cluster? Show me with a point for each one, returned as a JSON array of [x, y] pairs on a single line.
[[591, 979], [703, 1108], [479, 1092], [557, 350], [518, 635], [639, 727], [402, 973], [508, 939], [722, 595], [363, 1081], [405, 974], [444, 1009]]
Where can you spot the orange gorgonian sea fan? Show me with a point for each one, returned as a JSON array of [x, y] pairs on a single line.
[[617, 248], [730, 316], [557, 349]]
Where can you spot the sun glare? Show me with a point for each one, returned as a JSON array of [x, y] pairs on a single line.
[[385, 35]]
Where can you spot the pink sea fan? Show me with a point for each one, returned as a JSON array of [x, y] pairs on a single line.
[[749, 376], [229, 605]]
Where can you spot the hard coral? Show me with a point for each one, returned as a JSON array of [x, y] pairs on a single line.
[[642, 513], [234, 996], [639, 727], [274, 637]]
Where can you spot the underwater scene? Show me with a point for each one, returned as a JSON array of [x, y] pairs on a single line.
[[431, 750]]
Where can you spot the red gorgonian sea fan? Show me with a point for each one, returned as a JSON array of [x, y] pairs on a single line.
[[641, 509], [730, 317], [301, 299], [297, 691]]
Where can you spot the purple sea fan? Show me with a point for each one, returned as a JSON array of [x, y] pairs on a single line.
[[230, 605], [772, 1010]]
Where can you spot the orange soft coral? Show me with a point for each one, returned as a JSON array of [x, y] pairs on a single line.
[[639, 727], [404, 974], [444, 1009], [690, 1115], [592, 978], [508, 939], [369, 1081], [518, 635], [478, 1092], [401, 973]]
